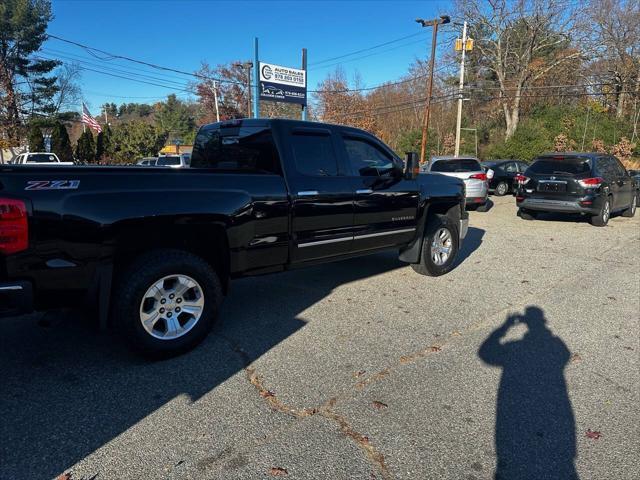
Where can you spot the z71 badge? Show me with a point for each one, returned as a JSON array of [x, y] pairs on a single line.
[[52, 184]]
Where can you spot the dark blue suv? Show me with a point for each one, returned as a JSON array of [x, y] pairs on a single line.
[[593, 184]]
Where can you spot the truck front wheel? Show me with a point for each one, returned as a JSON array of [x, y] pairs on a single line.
[[439, 248], [166, 302]]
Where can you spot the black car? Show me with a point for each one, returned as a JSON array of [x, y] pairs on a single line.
[[592, 184], [504, 173]]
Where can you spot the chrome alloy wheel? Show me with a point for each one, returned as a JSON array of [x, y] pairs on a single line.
[[171, 307], [441, 246]]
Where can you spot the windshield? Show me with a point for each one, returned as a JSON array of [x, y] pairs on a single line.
[[168, 161], [560, 166], [40, 158], [456, 165]]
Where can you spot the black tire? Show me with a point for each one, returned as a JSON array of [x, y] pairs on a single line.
[[527, 214], [501, 189], [631, 211], [427, 265], [133, 283], [602, 218]]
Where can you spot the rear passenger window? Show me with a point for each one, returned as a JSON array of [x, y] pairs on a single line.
[[456, 165], [314, 155], [236, 149], [510, 167]]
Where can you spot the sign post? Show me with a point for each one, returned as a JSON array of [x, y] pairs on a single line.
[[304, 67], [256, 88]]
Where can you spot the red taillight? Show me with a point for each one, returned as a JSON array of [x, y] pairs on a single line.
[[479, 176], [519, 198], [594, 182], [14, 228], [521, 179]]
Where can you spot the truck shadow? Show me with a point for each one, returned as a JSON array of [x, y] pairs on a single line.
[[535, 426], [66, 390]]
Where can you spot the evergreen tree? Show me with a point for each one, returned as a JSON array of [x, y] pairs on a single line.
[[104, 145], [85, 148], [60, 143], [23, 25], [36, 140], [173, 119]]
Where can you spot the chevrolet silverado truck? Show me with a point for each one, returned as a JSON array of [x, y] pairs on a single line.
[[154, 249]]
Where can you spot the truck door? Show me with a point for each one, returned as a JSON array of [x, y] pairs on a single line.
[[322, 196], [386, 203]]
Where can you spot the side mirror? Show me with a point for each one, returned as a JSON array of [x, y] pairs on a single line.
[[411, 166]]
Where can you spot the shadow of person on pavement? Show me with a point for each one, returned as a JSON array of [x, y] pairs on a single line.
[[535, 427]]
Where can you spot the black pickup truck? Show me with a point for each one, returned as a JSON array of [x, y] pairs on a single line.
[[154, 249]]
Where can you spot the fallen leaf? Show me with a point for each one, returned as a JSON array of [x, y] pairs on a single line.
[[359, 373], [64, 476], [593, 434], [365, 439], [379, 405], [576, 357], [611, 297], [267, 393], [278, 472], [405, 359], [456, 333], [435, 348]]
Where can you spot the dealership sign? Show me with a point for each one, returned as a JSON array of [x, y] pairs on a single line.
[[282, 84]]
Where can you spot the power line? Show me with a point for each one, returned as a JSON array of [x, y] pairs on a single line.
[[366, 49], [111, 56]]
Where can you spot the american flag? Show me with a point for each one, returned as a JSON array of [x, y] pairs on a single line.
[[89, 120]]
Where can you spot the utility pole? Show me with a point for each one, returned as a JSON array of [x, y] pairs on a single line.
[[248, 66], [460, 89], [425, 125], [215, 99]]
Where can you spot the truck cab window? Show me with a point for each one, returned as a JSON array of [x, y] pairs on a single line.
[[236, 150], [314, 155], [367, 160]]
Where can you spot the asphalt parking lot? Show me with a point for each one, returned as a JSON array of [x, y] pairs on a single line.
[[525, 358]]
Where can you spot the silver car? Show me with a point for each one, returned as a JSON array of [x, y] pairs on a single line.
[[467, 169]]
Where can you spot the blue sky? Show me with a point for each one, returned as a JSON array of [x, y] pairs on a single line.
[[182, 33]]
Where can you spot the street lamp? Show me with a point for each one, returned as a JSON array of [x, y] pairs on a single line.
[[248, 66], [444, 19]]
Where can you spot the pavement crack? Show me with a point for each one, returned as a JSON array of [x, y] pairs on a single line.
[[375, 457]]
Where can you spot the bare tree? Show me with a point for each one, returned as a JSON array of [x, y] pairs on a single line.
[[615, 29], [69, 93], [520, 42]]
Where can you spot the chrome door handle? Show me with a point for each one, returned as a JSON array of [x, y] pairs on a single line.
[[307, 193], [364, 191]]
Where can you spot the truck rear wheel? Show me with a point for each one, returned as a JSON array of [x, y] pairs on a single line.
[[166, 302], [439, 248]]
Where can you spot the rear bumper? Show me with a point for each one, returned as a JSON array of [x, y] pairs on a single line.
[[562, 206], [16, 298]]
